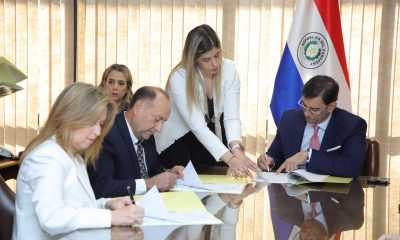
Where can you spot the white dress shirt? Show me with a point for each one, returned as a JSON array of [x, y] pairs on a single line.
[[140, 183], [309, 132]]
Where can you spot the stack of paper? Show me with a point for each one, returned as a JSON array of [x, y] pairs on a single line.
[[300, 176], [174, 208], [209, 183]]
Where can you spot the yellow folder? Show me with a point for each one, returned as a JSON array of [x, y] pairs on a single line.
[[186, 201]]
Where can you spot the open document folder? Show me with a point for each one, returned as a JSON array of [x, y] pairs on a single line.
[[300, 176], [298, 189], [173, 208], [208, 183]]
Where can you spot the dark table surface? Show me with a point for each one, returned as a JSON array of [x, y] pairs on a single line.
[[268, 212]]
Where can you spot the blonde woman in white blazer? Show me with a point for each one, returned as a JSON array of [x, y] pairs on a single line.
[[54, 195], [204, 124]]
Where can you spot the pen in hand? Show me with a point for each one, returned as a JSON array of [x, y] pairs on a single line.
[[174, 172], [128, 188]]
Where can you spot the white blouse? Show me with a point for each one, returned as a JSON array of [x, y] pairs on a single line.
[[181, 121]]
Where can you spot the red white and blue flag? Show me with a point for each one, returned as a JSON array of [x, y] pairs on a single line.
[[314, 47]]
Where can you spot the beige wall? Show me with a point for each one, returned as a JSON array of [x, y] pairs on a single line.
[[38, 37]]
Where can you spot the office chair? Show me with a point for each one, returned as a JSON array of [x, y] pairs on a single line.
[[371, 162], [7, 202], [9, 168]]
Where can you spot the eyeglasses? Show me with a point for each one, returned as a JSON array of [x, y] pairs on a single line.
[[313, 111]]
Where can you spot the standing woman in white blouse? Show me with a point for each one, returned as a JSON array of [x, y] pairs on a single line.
[[54, 195], [204, 125]]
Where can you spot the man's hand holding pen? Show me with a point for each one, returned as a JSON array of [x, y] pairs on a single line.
[[265, 162], [176, 170], [165, 180], [130, 193]]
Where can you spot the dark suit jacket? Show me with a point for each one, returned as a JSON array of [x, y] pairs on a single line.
[[344, 129], [117, 166], [346, 215]]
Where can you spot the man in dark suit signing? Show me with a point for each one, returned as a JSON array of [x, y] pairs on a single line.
[[321, 138], [129, 156]]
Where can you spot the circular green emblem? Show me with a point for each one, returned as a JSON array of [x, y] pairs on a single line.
[[312, 50]]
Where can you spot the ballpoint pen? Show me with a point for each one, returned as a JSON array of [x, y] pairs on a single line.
[[128, 188]]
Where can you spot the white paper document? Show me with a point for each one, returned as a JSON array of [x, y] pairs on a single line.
[[272, 177], [300, 176], [156, 214], [292, 177], [192, 182]]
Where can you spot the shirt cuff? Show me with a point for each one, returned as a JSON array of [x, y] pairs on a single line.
[[140, 186], [101, 202]]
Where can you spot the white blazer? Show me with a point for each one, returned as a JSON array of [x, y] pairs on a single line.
[[181, 121], [54, 195]]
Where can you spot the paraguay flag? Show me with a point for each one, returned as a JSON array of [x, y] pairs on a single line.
[[314, 47]]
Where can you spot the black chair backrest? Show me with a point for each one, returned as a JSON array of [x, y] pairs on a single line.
[[371, 163], [7, 203]]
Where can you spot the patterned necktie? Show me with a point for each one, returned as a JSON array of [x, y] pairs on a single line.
[[140, 156], [314, 142]]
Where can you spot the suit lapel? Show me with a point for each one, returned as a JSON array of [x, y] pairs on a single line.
[[330, 131], [298, 132], [124, 132]]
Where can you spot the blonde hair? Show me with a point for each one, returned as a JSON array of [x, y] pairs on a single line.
[[77, 106], [199, 40], [129, 81]]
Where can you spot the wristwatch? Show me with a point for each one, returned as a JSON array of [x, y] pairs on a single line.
[[237, 145], [308, 154]]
